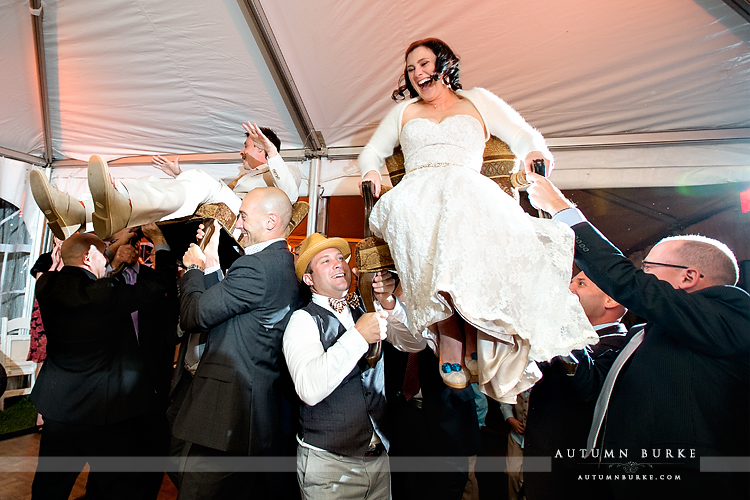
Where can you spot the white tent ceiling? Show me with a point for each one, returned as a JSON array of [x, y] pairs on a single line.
[[636, 93]]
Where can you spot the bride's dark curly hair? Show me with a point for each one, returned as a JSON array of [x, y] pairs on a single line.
[[446, 67]]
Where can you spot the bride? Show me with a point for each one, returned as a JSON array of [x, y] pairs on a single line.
[[460, 244]]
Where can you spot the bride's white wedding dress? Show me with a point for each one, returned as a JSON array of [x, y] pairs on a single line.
[[451, 229]]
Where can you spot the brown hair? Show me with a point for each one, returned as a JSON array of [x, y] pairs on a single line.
[[446, 67]]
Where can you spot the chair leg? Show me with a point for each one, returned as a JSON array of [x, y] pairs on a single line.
[[368, 298]]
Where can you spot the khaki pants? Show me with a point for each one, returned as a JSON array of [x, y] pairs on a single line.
[[514, 468], [324, 475]]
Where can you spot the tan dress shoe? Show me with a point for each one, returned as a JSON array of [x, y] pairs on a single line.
[[454, 375], [111, 208], [65, 214]]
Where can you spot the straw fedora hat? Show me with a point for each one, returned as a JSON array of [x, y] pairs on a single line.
[[313, 245]]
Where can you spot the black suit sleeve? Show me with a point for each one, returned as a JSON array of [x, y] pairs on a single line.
[[242, 290], [119, 298], [588, 380], [211, 279], [700, 320]]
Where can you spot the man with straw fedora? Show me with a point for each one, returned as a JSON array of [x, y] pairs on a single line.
[[342, 450]]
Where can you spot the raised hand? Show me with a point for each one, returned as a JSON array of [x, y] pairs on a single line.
[[57, 262], [544, 195], [121, 237], [211, 250], [383, 286], [194, 255], [152, 232], [257, 136], [171, 168], [537, 155], [125, 254]]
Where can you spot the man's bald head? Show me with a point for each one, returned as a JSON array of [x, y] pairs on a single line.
[[274, 201], [74, 248], [85, 251], [599, 307], [264, 215]]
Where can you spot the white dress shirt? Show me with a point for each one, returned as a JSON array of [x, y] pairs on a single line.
[[317, 373], [570, 216], [252, 249]]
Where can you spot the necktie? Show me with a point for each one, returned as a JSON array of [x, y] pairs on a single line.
[[233, 184], [338, 305], [601, 403], [410, 387], [130, 278]]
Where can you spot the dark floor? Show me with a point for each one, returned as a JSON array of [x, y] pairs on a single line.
[[493, 485], [17, 474]]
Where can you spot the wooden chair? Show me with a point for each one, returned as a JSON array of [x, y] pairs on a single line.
[[14, 347], [180, 233], [499, 165], [372, 254]]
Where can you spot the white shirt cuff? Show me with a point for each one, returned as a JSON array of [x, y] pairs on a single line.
[[570, 216], [212, 270]]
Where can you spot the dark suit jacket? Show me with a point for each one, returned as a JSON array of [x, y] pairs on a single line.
[[450, 415], [688, 384], [233, 402], [558, 420], [157, 334], [96, 372], [179, 371]]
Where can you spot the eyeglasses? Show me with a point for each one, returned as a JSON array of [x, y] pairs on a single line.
[[647, 263]]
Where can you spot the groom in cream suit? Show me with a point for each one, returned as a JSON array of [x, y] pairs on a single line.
[[141, 201]]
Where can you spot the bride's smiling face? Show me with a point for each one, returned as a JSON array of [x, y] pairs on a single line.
[[420, 65]]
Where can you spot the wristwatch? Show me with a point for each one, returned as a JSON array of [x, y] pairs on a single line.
[[195, 266]]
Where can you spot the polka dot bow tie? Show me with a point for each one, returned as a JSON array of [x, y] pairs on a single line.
[[338, 305]]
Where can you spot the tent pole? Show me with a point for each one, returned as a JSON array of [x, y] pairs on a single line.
[[269, 47], [17, 155], [313, 191], [741, 7], [41, 67]]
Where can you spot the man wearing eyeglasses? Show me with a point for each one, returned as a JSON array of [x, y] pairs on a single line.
[[676, 401]]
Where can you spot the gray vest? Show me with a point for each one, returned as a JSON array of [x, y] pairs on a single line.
[[343, 422]]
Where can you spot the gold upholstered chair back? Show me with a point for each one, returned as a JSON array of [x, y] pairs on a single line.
[[499, 164]]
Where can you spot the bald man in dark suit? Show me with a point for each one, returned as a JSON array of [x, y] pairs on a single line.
[[95, 390], [232, 406], [557, 420]]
